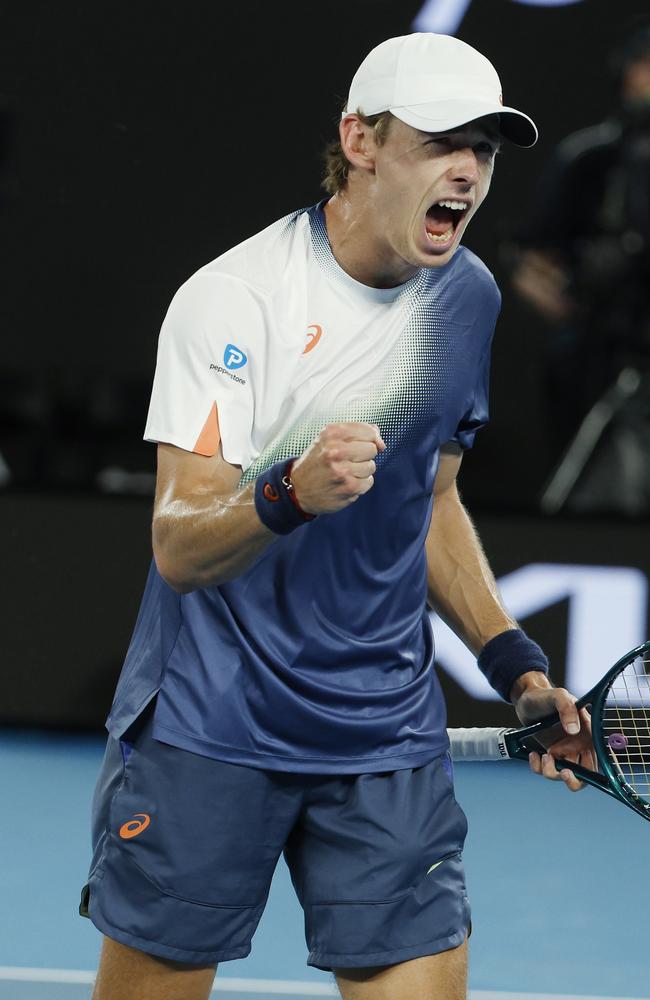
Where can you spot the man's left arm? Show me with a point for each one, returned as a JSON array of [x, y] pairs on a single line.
[[463, 592]]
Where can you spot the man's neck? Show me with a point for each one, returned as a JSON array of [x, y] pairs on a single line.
[[358, 248]]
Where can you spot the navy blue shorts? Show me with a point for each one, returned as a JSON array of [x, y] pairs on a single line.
[[185, 847]]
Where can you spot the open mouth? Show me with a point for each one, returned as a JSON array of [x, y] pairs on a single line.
[[442, 220]]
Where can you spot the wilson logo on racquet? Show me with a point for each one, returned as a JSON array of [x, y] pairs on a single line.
[[270, 493], [134, 827]]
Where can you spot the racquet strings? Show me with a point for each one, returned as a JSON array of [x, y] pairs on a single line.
[[626, 726]]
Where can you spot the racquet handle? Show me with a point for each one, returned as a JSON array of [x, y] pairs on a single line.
[[478, 744]]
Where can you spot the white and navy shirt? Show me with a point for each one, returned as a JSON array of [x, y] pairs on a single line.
[[319, 657]]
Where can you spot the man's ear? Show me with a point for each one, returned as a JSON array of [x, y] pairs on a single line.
[[358, 142]]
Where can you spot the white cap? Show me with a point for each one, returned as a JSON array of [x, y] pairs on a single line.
[[435, 83]]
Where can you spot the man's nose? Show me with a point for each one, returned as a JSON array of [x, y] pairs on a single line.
[[464, 169]]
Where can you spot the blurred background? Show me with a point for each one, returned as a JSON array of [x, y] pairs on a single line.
[[140, 140]]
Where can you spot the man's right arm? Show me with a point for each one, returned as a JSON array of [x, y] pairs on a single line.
[[206, 529]]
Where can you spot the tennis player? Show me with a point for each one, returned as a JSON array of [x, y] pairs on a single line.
[[315, 390]]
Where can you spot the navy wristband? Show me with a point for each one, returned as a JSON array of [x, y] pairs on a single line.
[[276, 502], [508, 656]]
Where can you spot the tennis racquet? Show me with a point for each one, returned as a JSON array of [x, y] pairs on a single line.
[[620, 720]]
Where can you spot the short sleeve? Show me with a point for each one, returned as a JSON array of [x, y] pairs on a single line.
[[203, 390], [477, 413]]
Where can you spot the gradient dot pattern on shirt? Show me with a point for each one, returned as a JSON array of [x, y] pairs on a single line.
[[402, 390]]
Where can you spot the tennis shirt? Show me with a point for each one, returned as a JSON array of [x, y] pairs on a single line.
[[318, 658]]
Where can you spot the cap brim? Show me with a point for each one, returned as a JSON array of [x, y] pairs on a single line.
[[442, 116]]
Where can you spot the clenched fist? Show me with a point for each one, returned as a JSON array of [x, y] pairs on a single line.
[[337, 468]]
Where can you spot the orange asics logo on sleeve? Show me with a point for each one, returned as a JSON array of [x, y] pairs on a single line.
[[134, 826], [270, 493], [312, 338]]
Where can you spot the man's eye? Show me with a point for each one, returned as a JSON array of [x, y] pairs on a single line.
[[434, 146], [486, 149]]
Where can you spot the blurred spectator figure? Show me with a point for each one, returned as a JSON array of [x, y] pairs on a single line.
[[583, 263]]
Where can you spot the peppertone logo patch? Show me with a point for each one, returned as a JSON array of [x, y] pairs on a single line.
[[224, 371], [234, 357]]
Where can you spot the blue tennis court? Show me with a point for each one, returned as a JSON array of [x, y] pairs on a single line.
[[557, 884]]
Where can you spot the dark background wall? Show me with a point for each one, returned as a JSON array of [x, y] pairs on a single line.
[[147, 138], [139, 141]]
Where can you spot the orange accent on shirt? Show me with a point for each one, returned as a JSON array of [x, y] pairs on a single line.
[[134, 826], [270, 493], [313, 337], [209, 438]]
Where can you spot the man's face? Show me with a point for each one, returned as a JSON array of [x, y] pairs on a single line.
[[427, 186]]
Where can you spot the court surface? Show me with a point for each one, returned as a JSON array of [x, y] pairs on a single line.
[[557, 884]]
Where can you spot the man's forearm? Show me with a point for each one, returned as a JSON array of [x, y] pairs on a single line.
[[201, 540], [206, 530], [461, 585]]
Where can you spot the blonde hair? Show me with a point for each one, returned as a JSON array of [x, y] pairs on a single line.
[[337, 165]]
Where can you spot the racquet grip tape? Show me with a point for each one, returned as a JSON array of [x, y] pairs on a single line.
[[479, 744]]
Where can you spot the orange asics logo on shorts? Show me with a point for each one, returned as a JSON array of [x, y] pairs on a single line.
[[134, 826], [269, 493], [313, 338]]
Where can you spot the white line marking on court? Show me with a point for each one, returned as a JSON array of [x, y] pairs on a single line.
[[488, 995], [306, 988], [20, 974]]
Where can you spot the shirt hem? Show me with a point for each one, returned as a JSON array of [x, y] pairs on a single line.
[[298, 764], [231, 454]]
